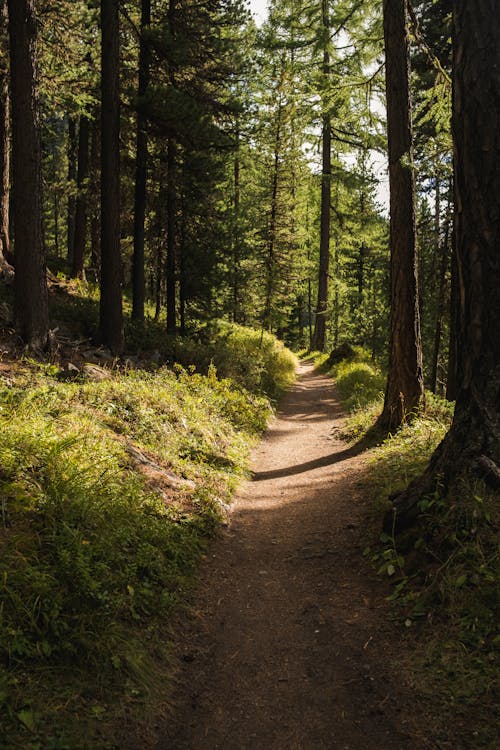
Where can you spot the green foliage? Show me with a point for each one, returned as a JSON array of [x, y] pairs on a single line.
[[361, 387], [95, 548], [359, 383], [254, 359]]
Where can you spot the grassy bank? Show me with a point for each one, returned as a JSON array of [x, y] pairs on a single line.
[[444, 572], [109, 493]]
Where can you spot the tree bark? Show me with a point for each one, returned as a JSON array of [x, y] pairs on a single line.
[[472, 444], [80, 231], [270, 263], [93, 199], [5, 258], [235, 235], [319, 339], [141, 169], [405, 387], [171, 239], [453, 373], [111, 315], [31, 298], [443, 251], [72, 175]]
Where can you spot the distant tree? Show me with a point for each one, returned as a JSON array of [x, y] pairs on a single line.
[[171, 195], [31, 298], [80, 221], [141, 167], [472, 445], [72, 176], [111, 315], [319, 339], [405, 387]]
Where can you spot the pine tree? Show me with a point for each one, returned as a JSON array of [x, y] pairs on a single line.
[[111, 316], [472, 445], [31, 298], [4, 141], [405, 389]]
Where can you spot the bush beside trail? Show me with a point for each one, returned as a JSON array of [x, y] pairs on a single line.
[[109, 492], [444, 572]]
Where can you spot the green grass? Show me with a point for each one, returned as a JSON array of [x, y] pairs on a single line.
[[254, 359], [444, 572], [96, 553]]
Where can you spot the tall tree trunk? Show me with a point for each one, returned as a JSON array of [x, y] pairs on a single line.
[[472, 444], [5, 258], [183, 280], [319, 341], [453, 374], [72, 174], [111, 315], [56, 222], [267, 319], [236, 230], [443, 251], [80, 232], [405, 386], [31, 298], [171, 238], [141, 171], [93, 199]]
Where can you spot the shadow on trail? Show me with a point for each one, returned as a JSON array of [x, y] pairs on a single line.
[[332, 458]]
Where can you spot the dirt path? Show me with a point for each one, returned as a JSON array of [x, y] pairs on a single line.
[[287, 646]]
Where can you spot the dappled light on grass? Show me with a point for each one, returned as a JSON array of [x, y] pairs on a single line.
[[109, 491]]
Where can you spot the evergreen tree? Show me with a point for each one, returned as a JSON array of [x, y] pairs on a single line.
[[111, 316], [141, 162], [4, 140], [31, 298], [404, 390], [472, 445]]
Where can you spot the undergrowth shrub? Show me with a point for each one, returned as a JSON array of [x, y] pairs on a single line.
[[444, 571], [361, 387], [256, 360], [93, 552]]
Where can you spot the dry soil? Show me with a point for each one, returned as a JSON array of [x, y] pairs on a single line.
[[289, 645]]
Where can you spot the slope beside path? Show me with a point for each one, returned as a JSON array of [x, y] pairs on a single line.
[[288, 646]]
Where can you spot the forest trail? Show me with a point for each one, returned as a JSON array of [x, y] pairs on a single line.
[[288, 645]]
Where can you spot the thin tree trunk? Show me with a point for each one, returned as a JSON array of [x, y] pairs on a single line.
[[80, 233], [93, 200], [326, 189], [319, 341], [267, 320], [72, 174], [182, 271], [56, 222], [171, 239], [111, 315], [159, 278], [454, 370], [405, 387], [141, 171], [441, 304], [236, 230], [31, 298]]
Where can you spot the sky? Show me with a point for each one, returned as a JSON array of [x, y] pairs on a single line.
[[259, 10]]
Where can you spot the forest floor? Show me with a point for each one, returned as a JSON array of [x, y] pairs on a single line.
[[290, 643]]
